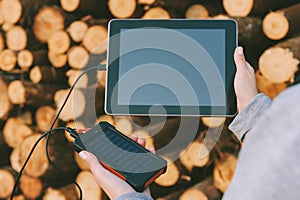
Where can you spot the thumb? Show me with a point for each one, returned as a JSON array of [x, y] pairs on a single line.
[[91, 160], [239, 58]]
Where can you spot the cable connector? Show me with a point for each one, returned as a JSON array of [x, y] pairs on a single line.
[[72, 132]]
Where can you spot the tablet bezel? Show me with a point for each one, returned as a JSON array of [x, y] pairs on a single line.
[[112, 72]]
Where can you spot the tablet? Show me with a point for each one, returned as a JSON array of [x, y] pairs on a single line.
[[171, 67]]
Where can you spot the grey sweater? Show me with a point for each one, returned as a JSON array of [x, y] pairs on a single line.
[[269, 163]]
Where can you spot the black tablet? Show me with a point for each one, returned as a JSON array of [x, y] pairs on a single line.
[[171, 67]]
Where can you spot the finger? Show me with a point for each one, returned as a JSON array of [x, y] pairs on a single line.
[[239, 58], [152, 150], [141, 141], [134, 138], [82, 130], [91, 161]]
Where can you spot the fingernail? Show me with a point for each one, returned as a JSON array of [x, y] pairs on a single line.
[[82, 155], [134, 136], [240, 50]]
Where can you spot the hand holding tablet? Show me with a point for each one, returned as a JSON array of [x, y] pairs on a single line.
[[171, 67]]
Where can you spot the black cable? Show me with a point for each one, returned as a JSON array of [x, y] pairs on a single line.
[[30, 154], [98, 67]]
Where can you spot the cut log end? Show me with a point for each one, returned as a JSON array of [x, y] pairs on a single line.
[[9, 180], [2, 44], [197, 155], [48, 21], [156, 13], [16, 38], [4, 100], [31, 187], [44, 116], [197, 11], [193, 194], [15, 131], [124, 125], [275, 25], [106, 118], [77, 30], [25, 59], [69, 5], [38, 164], [77, 57], [170, 177], [121, 8], [89, 186], [59, 42], [146, 2], [73, 75], [35, 74], [16, 92], [213, 122], [11, 10], [74, 108], [223, 172], [8, 60], [57, 60], [95, 39], [53, 194], [278, 65], [267, 87], [238, 8]]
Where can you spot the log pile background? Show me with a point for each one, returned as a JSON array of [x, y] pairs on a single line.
[[45, 44]]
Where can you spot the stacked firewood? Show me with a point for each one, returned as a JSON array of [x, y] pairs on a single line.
[[46, 44]]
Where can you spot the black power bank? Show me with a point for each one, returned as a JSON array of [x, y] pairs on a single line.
[[121, 155]]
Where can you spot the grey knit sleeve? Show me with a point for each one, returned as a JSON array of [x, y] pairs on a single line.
[[134, 196], [245, 120]]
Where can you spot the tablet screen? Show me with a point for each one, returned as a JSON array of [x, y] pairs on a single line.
[[171, 67], [186, 85]]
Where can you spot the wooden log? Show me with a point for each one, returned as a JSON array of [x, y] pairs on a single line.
[[89, 186], [38, 164], [64, 193], [8, 178], [193, 194], [77, 57], [48, 74], [44, 116], [25, 59], [105, 118], [48, 21], [31, 187], [8, 60], [223, 171], [25, 92], [280, 62], [73, 75], [75, 106], [170, 177], [213, 122], [15, 159], [59, 42], [16, 38], [196, 155], [96, 8], [278, 24], [176, 9], [197, 11], [250, 35], [6, 106], [122, 9], [262, 7], [102, 78], [19, 197], [77, 30], [238, 8], [11, 11], [15, 131], [95, 39], [156, 13], [57, 60], [40, 57], [124, 125], [2, 43], [267, 87], [146, 2]]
